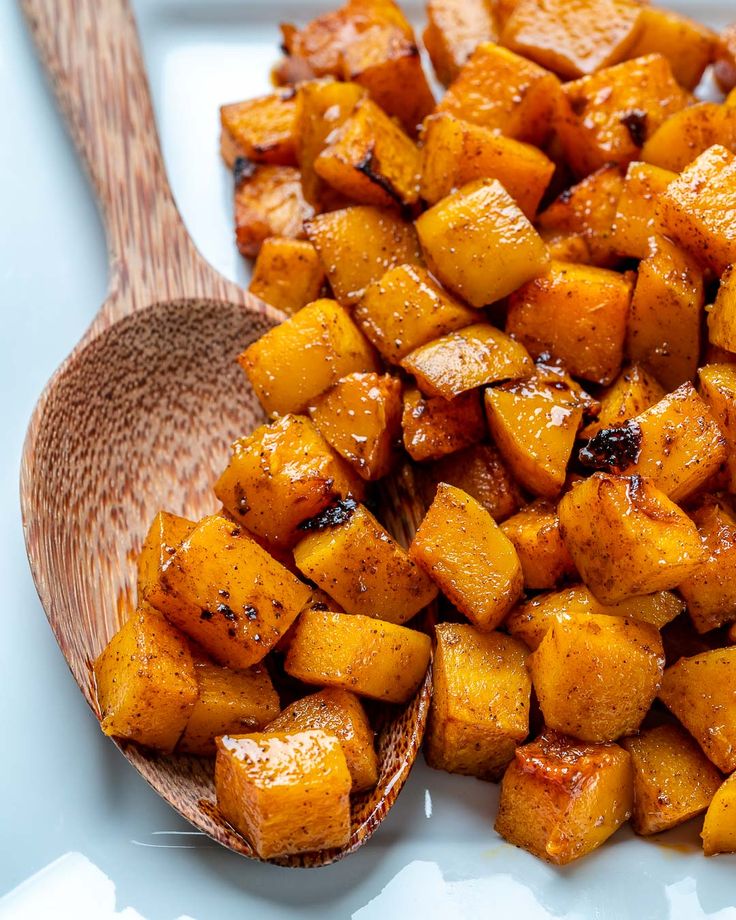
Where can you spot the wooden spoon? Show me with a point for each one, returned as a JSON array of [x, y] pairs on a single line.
[[141, 415]]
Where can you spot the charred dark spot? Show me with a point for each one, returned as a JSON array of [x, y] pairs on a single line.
[[235, 532], [206, 615], [227, 612], [223, 593], [243, 169], [368, 166], [231, 632], [242, 503], [578, 104], [319, 605], [250, 611], [338, 513], [565, 196], [635, 123], [277, 604], [613, 449]]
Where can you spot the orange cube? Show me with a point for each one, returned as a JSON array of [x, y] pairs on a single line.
[[454, 31], [433, 426], [165, 535], [268, 202], [288, 274], [636, 224], [633, 391], [717, 384], [689, 46], [262, 130], [688, 133], [722, 315], [535, 533]]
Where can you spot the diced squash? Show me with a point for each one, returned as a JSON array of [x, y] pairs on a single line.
[[535, 533], [455, 29], [288, 274], [479, 243], [370, 159], [146, 686], [576, 313], [722, 315], [724, 68], [463, 549], [534, 424], [467, 359], [360, 417], [433, 426], [281, 475], [636, 223], [340, 713], [719, 828], [673, 781], [531, 621], [503, 91], [229, 702], [165, 534], [573, 37], [666, 316], [480, 701], [355, 560], [561, 799], [292, 364], [455, 152], [676, 443], [406, 308], [228, 594], [262, 130], [608, 116], [268, 202], [358, 245], [689, 132], [596, 676], [689, 46], [700, 692], [698, 209], [370, 657], [718, 388], [285, 792], [633, 391], [627, 538]]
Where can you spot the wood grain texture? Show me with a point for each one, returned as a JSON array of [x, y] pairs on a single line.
[[142, 414]]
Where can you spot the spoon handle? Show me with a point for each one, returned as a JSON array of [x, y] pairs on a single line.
[[92, 53]]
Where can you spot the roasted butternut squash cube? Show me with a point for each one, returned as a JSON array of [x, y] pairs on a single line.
[[337, 712], [455, 29], [480, 701], [281, 475], [627, 538], [465, 360], [676, 443], [596, 676], [288, 274], [433, 426], [573, 37], [292, 364], [165, 534], [698, 209], [479, 243], [633, 391], [455, 152], [673, 780], [688, 133], [666, 316], [608, 116], [229, 702], [370, 657], [636, 224], [268, 202], [406, 308], [463, 549], [360, 417], [699, 691], [284, 792], [370, 159], [689, 46], [561, 798], [146, 685], [228, 594], [722, 315], [724, 68], [531, 621], [588, 210], [262, 130], [576, 313], [719, 830], [355, 560], [359, 245], [505, 92], [535, 533], [534, 424], [717, 384]]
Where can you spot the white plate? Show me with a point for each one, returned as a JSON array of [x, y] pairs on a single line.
[[67, 792]]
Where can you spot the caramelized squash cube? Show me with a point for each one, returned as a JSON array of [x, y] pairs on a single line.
[[636, 224], [474, 563], [722, 315], [351, 557], [535, 533], [292, 364], [561, 798], [718, 388], [688, 133], [370, 657], [284, 792], [689, 46], [288, 274], [455, 29], [261, 130], [633, 391], [724, 67], [479, 243], [146, 684], [627, 538], [268, 202], [434, 427], [480, 701], [340, 713], [719, 829], [165, 535]]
